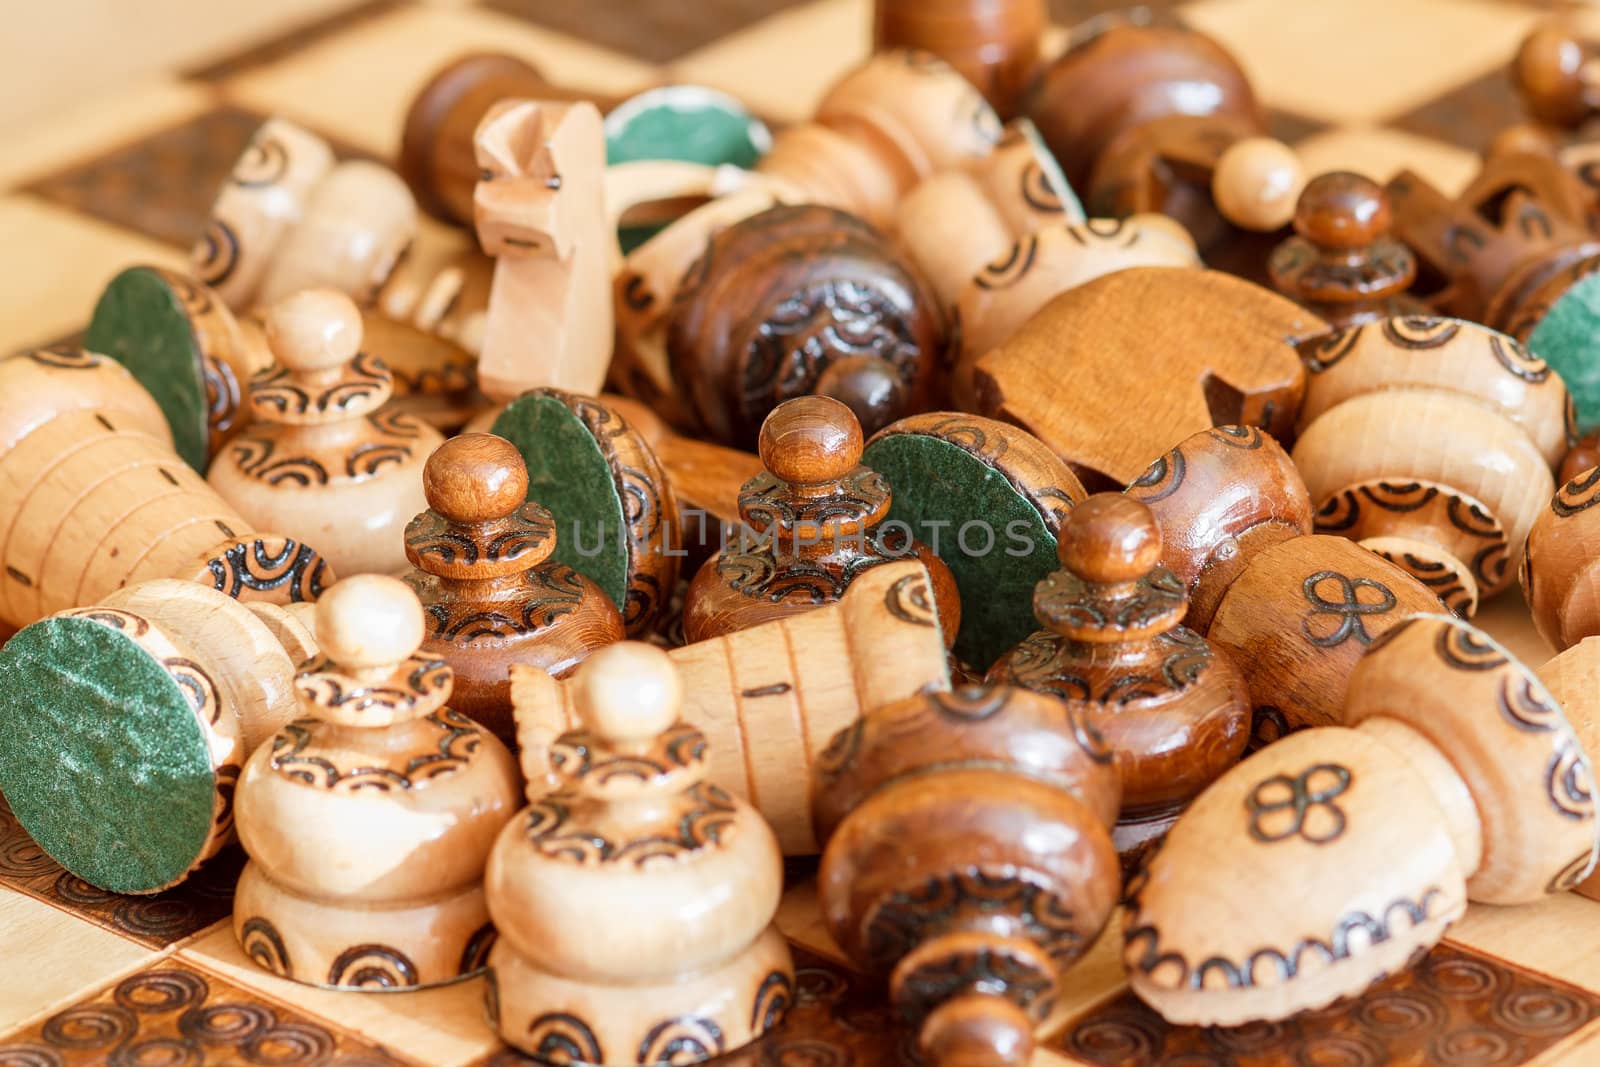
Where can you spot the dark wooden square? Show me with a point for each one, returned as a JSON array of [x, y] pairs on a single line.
[[1468, 115], [657, 31]]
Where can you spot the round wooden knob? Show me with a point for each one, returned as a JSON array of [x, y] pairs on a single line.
[[1342, 210], [369, 620], [1110, 538], [977, 1030], [476, 477], [1548, 72], [628, 693], [316, 329], [870, 387], [1256, 183], [810, 440]]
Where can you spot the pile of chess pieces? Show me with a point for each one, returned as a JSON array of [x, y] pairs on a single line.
[[910, 494]]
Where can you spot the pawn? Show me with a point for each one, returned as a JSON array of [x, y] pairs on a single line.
[[1431, 442], [1338, 855], [685, 963], [369, 822], [810, 524], [319, 456], [1343, 264], [967, 860], [486, 580], [1174, 709]]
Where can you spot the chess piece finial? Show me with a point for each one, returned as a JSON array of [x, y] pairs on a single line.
[[952, 822], [377, 747], [1343, 262], [1172, 708], [492, 593], [143, 708], [1442, 724], [994, 46], [98, 499], [1431, 441], [1555, 75], [689, 878], [812, 522], [781, 704], [807, 282], [540, 211], [319, 456], [1256, 183]]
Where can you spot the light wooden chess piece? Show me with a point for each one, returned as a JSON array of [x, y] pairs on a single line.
[[1173, 709], [369, 822], [1431, 442], [812, 524], [319, 456], [1560, 571], [127, 723], [540, 211], [967, 860], [492, 594], [684, 963], [97, 499], [1337, 855], [770, 698]]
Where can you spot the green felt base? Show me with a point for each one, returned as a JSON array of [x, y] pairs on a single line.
[[938, 489], [103, 761], [1568, 338], [141, 323], [569, 475]]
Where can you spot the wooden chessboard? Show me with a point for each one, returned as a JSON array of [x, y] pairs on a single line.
[[89, 977]]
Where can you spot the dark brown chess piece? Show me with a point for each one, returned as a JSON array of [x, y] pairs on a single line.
[[799, 300], [1342, 263], [1174, 709], [812, 521], [1554, 74], [994, 43], [967, 860], [491, 592]]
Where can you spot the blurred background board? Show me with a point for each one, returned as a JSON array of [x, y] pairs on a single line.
[[121, 120]]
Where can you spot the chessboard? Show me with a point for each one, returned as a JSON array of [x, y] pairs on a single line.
[[88, 977]]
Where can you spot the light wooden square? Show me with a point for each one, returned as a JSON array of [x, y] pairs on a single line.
[[1362, 60], [58, 263], [358, 84], [1380, 152], [53, 958]]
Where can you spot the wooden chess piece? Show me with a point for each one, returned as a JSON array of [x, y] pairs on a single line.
[[989, 499], [183, 344], [1581, 455], [688, 963], [967, 860], [1221, 497], [802, 300], [492, 594], [1173, 709], [1554, 72], [770, 698], [1162, 119], [993, 44], [1295, 880], [1343, 264], [813, 522], [616, 508], [540, 211], [1572, 678], [1009, 290], [1560, 577], [1431, 442], [369, 821], [1219, 352], [1297, 619], [437, 155], [319, 457], [127, 723], [97, 499]]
